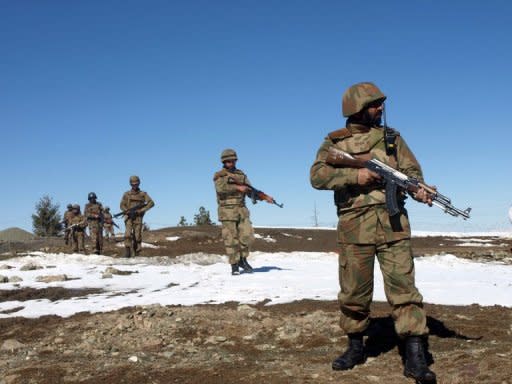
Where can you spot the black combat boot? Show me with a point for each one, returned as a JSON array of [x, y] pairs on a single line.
[[353, 355], [127, 252], [245, 265], [234, 269], [416, 362]]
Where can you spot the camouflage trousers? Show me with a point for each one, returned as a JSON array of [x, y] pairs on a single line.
[[133, 234], [109, 230], [77, 241], [96, 235], [238, 237], [356, 262]]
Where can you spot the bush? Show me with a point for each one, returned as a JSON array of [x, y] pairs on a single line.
[[47, 220], [203, 217]]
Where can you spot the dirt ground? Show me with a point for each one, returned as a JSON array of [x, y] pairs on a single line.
[[232, 343]]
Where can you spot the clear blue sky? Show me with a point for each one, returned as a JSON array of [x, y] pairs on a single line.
[[94, 91]]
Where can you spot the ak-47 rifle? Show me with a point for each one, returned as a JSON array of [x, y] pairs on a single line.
[[71, 228], [130, 212], [254, 194], [394, 179]]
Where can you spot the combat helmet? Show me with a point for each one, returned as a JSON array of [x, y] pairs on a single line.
[[359, 96], [91, 196], [228, 154], [76, 206], [69, 206], [134, 179]]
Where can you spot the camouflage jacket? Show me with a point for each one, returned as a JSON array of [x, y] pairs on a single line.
[[230, 200], [132, 198], [107, 218], [79, 221], [68, 215], [361, 207], [93, 211]]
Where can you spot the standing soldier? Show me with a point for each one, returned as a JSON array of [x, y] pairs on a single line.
[[66, 221], [135, 203], [93, 211], [365, 229], [76, 227], [232, 186], [108, 223]]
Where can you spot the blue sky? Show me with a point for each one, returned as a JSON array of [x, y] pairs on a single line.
[[94, 91]]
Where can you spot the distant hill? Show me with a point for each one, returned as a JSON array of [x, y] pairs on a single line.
[[16, 234]]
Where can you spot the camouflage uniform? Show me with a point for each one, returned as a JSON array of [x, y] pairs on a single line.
[[108, 224], [365, 228], [133, 225], [237, 231], [94, 214], [78, 232], [68, 215]]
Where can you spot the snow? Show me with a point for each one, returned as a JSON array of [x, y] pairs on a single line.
[[172, 238], [267, 238], [205, 278]]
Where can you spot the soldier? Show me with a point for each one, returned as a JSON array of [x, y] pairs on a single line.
[[108, 224], [237, 231], [93, 211], [365, 229], [76, 227], [66, 221], [135, 203]]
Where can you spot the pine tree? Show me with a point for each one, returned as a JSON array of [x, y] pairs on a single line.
[[203, 217], [183, 222], [47, 220]]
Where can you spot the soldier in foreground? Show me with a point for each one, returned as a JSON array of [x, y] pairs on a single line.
[[134, 204], [76, 230], [366, 229], [232, 186], [108, 224], [67, 221], [93, 211]]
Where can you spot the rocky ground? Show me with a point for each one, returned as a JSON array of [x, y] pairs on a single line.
[[232, 343]]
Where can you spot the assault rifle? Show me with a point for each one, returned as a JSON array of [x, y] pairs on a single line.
[[71, 228], [394, 179], [130, 212], [254, 194]]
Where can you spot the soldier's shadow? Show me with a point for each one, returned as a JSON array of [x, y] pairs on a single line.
[[268, 268], [382, 337]]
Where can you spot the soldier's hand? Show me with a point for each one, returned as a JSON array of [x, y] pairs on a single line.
[[365, 176], [423, 196], [242, 188]]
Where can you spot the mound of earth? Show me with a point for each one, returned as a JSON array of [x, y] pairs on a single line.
[[16, 234]]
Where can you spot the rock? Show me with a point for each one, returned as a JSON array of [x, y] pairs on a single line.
[[106, 275], [5, 266], [51, 278], [15, 279], [115, 271], [30, 267], [58, 340], [11, 345], [4, 279], [133, 359]]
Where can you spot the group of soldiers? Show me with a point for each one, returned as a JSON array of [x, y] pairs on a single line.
[[134, 204], [365, 228]]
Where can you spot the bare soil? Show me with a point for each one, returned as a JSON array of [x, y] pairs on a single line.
[[232, 343]]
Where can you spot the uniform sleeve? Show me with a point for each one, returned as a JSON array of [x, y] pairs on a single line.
[[325, 176], [407, 162], [124, 202], [149, 203]]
